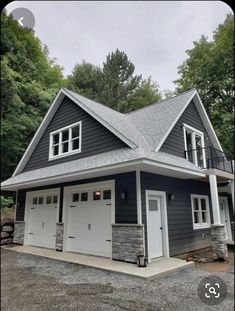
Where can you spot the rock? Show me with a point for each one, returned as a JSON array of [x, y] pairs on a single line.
[[6, 241], [7, 228], [4, 234]]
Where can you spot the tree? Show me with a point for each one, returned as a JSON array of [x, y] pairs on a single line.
[[85, 80], [118, 81], [210, 68], [146, 93], [29, 80]]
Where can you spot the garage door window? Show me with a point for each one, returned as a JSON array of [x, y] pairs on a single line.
[[55, 199], [40, 200], [96, 195], [35, 201], [106, 194], [84, 196], [75, 197]]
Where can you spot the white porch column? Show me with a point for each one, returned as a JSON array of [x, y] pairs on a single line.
[[215, 199], [232, 191], [138, 197]]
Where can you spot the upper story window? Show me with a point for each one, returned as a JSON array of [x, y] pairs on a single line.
[[200, 211], [194, 146], [65, 141]]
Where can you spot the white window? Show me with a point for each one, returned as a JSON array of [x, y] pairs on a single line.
[[200, 211], [194, 146], [65, 141]]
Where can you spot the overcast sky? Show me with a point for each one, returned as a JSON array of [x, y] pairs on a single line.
[[154, 34]]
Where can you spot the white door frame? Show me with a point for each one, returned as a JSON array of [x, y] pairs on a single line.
[[227, 215], [163, 207], [29, 195], [103, 184]]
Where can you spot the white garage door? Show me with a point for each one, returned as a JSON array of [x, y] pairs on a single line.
[[41, 210], [88, 219]]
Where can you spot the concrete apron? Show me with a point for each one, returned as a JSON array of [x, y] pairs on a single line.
[[159, 268]]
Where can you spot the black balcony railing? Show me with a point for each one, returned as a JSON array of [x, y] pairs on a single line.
[[210, 157]]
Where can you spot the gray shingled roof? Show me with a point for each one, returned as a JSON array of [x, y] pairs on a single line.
[[119, 156], [145, 128]]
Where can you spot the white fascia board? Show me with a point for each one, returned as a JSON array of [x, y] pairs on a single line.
[[100, 120], [173, 124], [37, 136], [82, 174], [207, 123]]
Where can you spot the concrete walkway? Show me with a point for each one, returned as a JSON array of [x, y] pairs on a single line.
[[158, 268]]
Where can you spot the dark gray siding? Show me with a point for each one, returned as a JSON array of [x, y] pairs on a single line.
[[182, 237], [126, 210], [95, 137], [174, 144]]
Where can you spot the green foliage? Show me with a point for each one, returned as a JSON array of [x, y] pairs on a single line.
[[115, 85], [29, 80], [210, 68], [6, 203]]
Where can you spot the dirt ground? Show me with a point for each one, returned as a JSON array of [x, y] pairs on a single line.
[[31, 283]]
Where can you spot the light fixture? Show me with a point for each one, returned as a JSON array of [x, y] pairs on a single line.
[[171, 196], [123, 195]]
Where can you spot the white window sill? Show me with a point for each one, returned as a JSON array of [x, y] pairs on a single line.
[[201, 227]]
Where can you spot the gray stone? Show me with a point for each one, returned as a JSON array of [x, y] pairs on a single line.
[[127, 242], [19, 232], [4, 234], [6, 241], [219, 245], [7, 228], [59, 236]]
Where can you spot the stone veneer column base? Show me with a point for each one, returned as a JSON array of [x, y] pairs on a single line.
[[219, 246], [59, 236], [127, 242], [19, 232]]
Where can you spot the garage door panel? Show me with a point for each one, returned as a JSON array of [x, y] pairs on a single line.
[[42, 220], [89, 223]]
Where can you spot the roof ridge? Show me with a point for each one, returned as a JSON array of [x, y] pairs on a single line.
[[87, 98], [162, 101]]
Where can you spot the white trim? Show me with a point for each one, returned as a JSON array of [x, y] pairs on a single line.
[[138, 198], [208, 122], [162, 194], [67, 190], [46, 120], [214, 199], [70, 152], [194, 132], [227, 215], [201, 226], [17, 192], [121, 165], [173, 124], [29, 195]]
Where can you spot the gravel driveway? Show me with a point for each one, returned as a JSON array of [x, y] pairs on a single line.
[[32, 283]]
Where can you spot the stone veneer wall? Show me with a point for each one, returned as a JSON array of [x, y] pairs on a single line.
[[127, 242], [59, 236], [19, 232], [218, 238]]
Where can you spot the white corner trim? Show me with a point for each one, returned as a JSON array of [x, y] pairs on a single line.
[[138, 198], [173, 124]]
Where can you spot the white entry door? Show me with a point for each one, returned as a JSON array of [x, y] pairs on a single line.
[[224, 215], [42, 209], [155, 236], [88, 219]]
